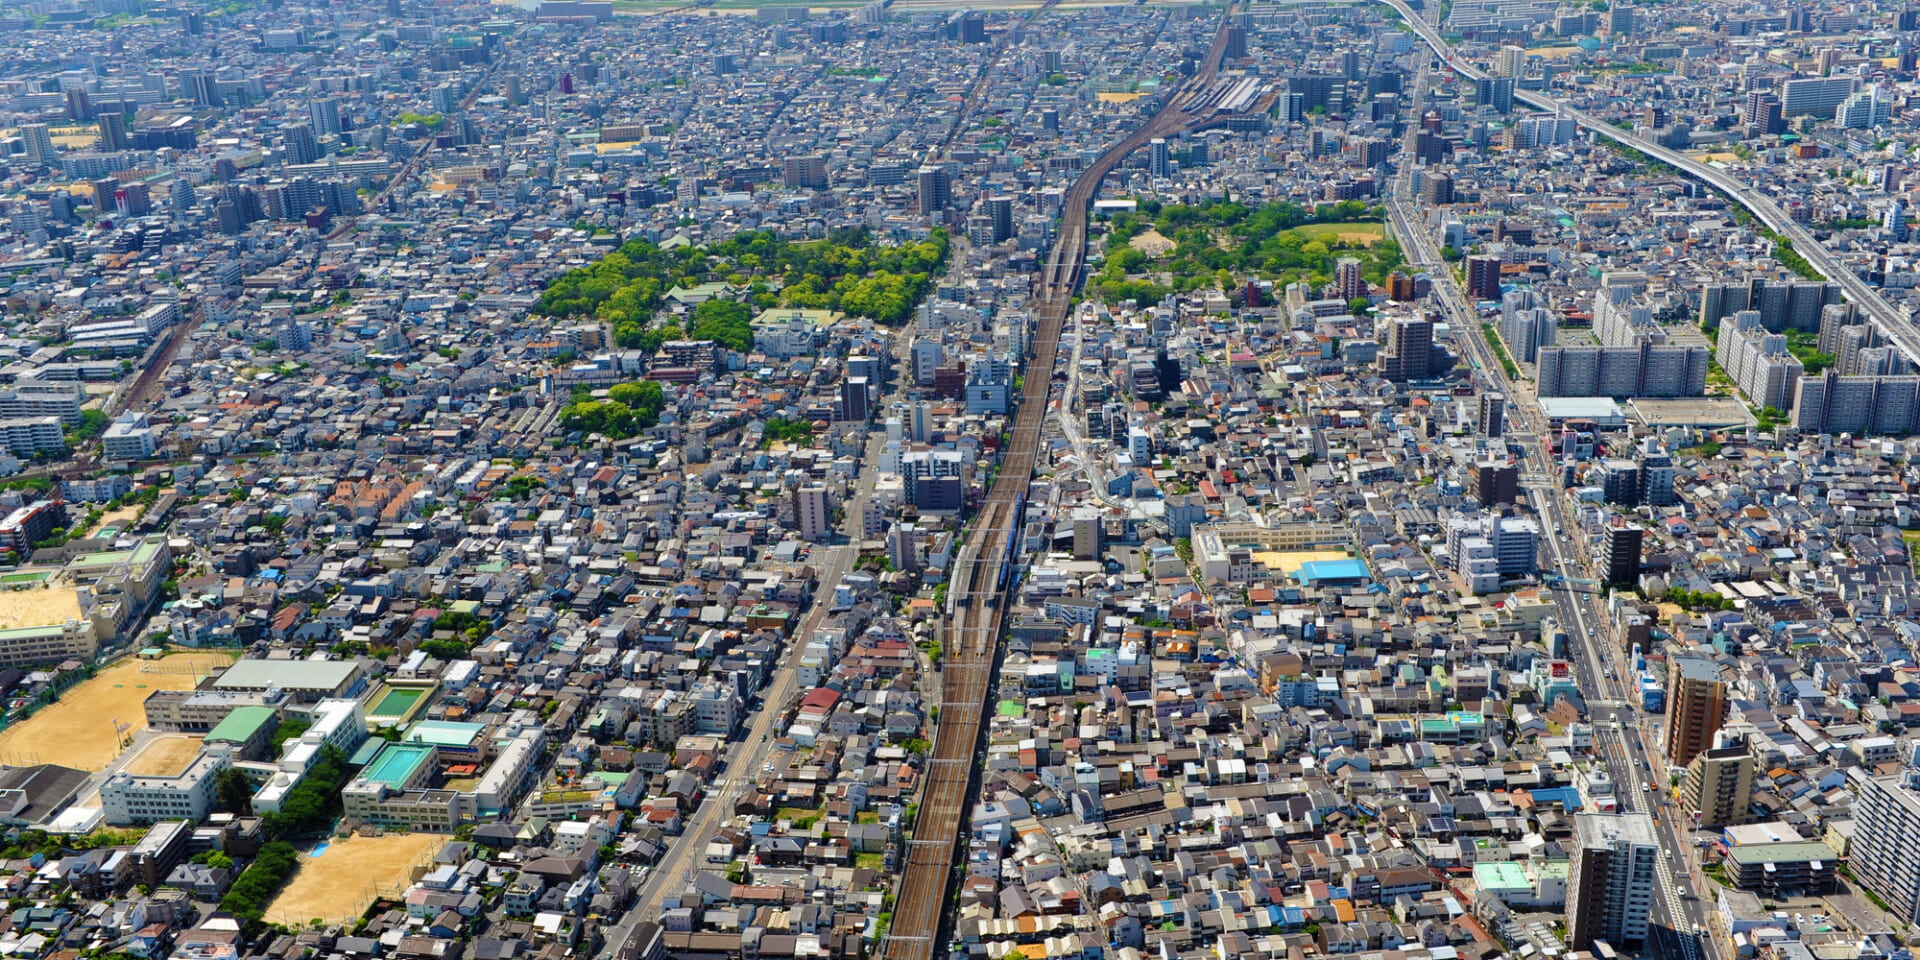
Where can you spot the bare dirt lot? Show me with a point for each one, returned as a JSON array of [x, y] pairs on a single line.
[[77, 730], [349, 874]]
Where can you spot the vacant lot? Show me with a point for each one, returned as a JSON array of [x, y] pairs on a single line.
[[164, 757], [77, 730], [348, 874]]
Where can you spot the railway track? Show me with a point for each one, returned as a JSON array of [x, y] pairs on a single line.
[[920, 915]]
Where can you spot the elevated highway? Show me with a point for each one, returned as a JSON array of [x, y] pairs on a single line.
[[1895, 322]]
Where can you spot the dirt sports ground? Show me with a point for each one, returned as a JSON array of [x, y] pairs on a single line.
[[77, 730], [38, 606], [348, 874]]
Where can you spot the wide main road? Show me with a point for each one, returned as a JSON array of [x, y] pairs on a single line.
[[980, 576], [1677, 915], [1894, 321]]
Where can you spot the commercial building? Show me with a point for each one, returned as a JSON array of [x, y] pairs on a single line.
[[1610, 880], [1696, 707], [1885, 852], [1774, 861]]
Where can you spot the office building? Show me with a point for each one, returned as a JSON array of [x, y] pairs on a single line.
[[1408, 351], [1436, 189], [813, 512], [1492, 421], [1758, 361], [935, 190], [202, 88], [1696, 706], [1492, 483], [1814, 96], [1885, 852], [855, 399], [1610, 880], [1620, 551], [1719, 785]]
